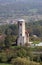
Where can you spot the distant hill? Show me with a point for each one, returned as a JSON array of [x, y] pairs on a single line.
[[18, 8], [30, 1]]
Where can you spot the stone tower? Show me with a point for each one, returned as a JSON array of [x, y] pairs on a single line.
[[21, 33]]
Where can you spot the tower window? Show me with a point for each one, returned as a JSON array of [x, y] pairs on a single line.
[[20, 24], [20, 34]]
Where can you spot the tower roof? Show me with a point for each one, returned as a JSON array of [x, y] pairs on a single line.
[[21, 20]]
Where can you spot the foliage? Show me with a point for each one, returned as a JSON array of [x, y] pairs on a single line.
[[7, 54], [23, 61], [35, 28], [37, 48]]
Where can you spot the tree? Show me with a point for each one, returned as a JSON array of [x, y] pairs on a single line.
[[7, 41]]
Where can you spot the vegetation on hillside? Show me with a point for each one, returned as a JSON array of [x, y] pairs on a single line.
[[19, 55], [23, 55]]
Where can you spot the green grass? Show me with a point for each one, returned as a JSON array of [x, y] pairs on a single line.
[[4, 64]]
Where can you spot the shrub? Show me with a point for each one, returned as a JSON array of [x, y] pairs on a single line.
[[21, 53], [4, 57], [23, 61]]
